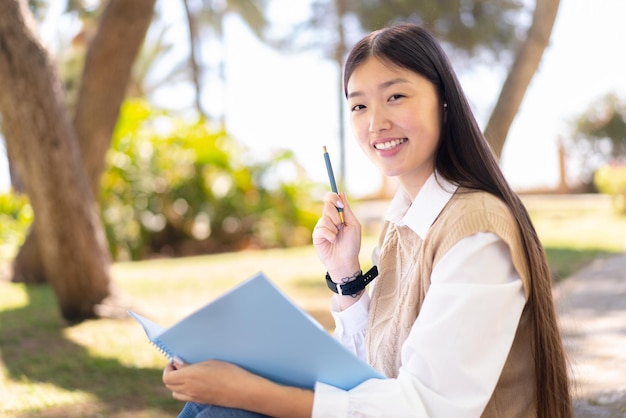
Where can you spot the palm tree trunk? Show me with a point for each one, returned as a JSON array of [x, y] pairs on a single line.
[[105, 79], [521, 73], [45, 150], [67, 244]]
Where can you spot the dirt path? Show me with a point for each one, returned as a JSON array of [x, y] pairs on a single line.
[[592, 310]]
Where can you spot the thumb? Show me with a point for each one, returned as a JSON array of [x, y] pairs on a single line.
[[177, 362]]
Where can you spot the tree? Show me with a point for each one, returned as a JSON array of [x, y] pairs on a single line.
[[66, 245], [112, 38], [520, 74], [330, 36], [208, 16], [474, 27], [603, 127], [598, 135]]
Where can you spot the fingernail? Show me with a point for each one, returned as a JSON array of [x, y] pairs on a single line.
[[177, 361], [339, 204]]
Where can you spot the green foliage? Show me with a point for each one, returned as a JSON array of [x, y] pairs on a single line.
[[471, 26], [39, 8], [178, 188], [610, 179], [16, 216], [252, 12], [599, 134], [483, 29], [604, 126]]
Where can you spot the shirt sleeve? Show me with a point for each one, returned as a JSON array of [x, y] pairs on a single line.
[[351, 324], [457, 347]]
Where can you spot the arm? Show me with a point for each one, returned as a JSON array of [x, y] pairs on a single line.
[[338, 244], [455, 352], [225, 384]]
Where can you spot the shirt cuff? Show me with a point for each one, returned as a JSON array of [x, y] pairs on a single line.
[[352, 320], [329, 401]]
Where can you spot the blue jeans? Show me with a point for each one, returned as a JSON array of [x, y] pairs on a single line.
[[197, 410]]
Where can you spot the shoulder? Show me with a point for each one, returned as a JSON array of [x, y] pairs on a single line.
[[471, 211], [468, 204], [477, 200]]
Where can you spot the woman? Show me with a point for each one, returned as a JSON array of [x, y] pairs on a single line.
[[461, 318]]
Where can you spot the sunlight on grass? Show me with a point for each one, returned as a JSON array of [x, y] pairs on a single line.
[[25, 395], [581, 222], [608, 233], [576, 229], [13, 297], [112, 339]]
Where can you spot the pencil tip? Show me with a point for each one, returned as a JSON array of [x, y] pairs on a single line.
[[324, 148]]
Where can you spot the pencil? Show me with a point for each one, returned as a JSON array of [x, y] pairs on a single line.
[[331, 177]]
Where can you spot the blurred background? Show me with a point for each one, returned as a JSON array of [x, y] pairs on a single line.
[[153, 153], [288, 97], [198, 125]]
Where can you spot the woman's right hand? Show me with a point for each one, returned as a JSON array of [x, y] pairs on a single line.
[[224, 384], [338, 245]]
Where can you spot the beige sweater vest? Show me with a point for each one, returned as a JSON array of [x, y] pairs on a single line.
[[405, 267]]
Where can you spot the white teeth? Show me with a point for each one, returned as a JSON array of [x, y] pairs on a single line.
[[389, 144]]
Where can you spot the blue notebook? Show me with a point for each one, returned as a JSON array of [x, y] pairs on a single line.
[[256, 326]]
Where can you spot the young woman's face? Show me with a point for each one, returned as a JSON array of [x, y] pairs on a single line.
[[396, 117]]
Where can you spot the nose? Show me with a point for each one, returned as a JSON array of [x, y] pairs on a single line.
[[378, 120]]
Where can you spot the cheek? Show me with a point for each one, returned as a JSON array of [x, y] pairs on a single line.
[[359, 130], [427, 124], [361, 135]]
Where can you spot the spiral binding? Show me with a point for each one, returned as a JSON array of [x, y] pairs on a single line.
[[164, 350]]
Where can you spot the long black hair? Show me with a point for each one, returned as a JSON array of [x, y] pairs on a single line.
[[463, 156]]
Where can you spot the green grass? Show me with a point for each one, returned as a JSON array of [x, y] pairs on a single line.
[[576, 230], [107, 368]]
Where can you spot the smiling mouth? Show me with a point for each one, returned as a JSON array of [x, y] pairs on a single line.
[[384, 146]]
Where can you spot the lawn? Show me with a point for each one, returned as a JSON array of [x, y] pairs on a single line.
[[107, 368], [576, 229]]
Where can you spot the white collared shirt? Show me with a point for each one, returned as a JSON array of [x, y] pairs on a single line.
[[457, 347]]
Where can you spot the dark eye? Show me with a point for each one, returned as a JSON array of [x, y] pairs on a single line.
[[357, 107], [394, 97]]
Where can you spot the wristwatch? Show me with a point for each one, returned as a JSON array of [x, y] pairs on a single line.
[[355, 286]]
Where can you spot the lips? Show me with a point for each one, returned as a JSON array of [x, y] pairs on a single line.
[[387, 145]]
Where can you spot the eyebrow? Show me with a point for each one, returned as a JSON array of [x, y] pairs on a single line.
[[382, 86]]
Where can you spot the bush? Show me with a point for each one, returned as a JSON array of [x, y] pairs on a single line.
[[176, 188], [611, 179], [16, 216]]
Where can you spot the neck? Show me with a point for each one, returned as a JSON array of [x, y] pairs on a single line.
[[413, 184]]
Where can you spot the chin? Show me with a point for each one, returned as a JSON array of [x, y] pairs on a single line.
[[391, 173]]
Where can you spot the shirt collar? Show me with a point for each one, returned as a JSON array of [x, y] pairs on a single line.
[[420, 214]]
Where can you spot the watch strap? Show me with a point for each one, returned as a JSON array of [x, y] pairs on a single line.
[[355, 286]]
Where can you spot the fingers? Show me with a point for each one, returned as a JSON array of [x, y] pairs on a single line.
[[179, 382], [167, 373], [182, 397], [325, 231], [333, 202], [329, 224]]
